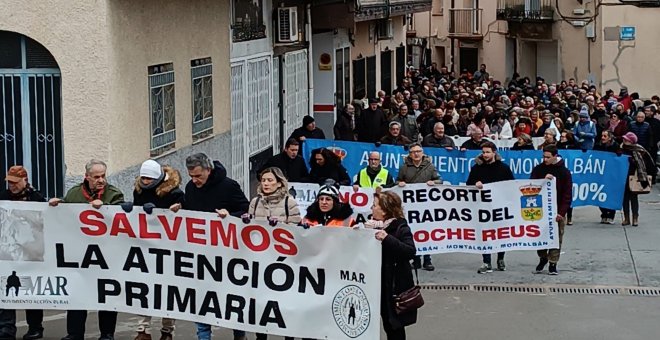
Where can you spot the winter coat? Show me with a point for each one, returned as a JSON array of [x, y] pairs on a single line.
[[649, 163], [396, 272], [612, 147], [28, 195], [278, 204], [517, 146], [303, 132], [399, 140], [586, 141], [426, 171], [471, 144], [164, 195], [620, 130], [643, 132], [564, 183], [408, 126], [341, 215], [294, 170], [493, 172], [372, 125], [320, 174], [82, 194], [219, 192], [432, 141], [342, 128]]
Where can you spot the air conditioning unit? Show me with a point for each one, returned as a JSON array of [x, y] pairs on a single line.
[[287, 25], [384, 29]]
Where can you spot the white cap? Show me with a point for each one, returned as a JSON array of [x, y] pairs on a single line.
[[151, 169]]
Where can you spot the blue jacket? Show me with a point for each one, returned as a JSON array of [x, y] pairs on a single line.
[[585, 133]]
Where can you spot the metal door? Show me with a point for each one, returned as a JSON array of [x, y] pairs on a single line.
[[238, 147], [30, 113], [296, 94]]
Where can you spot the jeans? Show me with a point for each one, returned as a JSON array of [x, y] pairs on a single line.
[[144, 325], [486, 257], [553, 254], [204, 332], [607, 213], [630, 201], [75, 322]]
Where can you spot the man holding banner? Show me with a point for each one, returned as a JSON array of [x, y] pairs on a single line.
[[95, 190], [418, 168], [489, 168], [553, 167]]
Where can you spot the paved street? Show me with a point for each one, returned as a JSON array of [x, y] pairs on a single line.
[[593, 255]]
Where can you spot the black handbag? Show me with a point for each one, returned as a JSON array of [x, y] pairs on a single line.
[[410, 299]]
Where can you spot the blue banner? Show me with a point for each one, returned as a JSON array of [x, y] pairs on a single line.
[[599, 177]]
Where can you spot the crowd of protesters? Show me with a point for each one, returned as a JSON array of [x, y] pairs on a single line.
[[427, 109]]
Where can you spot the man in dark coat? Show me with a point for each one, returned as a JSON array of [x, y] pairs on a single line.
[[489, 168], [642, 130], [210, 190], [307, 130], [345, 126], [607, 144], [372, 124], [20, 190], [96, 191], [553, 167], [475, 142], [438, 139], [292, 165]]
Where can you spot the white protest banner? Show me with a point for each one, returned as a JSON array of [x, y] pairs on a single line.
[[503, 216], [361, 201], [321, 283]]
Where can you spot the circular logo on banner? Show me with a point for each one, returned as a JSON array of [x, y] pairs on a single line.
[[350, 309]]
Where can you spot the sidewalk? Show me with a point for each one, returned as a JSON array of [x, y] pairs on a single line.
[[593, 254]]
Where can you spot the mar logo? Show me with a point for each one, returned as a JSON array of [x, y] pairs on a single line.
[[351, 311], [33, 286], [531, 202]]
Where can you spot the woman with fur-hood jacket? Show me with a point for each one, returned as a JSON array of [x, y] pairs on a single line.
[[157, 185], [328, 210], [273, 200]]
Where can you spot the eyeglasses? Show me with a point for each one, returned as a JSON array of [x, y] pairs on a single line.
[[415, 151], [374, 159]]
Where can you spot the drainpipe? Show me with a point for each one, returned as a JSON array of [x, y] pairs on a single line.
[[451, 48], [310, 60]]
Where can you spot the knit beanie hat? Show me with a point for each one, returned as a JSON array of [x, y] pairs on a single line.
[[329, 190], [307, 120], [151, 169], [630, 137], [584, 112]]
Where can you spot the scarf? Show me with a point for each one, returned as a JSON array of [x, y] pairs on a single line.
[[89, 194], [21, 196], [638, 157], [614, 125]]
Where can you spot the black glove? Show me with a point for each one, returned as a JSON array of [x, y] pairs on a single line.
[[272, 221], [246, 218], [644, 184], [305, 225], [378, 144], [127, 206], [148, 208]]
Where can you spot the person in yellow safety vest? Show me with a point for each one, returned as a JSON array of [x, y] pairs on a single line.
[[374, 176]]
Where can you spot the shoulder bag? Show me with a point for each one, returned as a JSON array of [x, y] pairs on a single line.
[[409, 300]]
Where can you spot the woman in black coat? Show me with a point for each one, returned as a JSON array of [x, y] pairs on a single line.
[[326, 165], [398, 250]]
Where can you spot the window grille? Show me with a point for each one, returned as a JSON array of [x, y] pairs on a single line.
[[201, 71], [161, 106]]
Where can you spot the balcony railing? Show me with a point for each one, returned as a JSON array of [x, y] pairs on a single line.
[[465, 23], [526, 10]]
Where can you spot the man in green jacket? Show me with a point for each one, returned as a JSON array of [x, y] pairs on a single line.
[[94, 190]]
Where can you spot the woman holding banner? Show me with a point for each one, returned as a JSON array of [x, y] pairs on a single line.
[[273, 203], [396, 273], [327, 210]]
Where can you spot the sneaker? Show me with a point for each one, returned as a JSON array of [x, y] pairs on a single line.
[[609, 221], [603, 220], [429, 266], [143, 336], [500, 265], [485, 268], [552, 269], [541, 265], [569, 221]]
